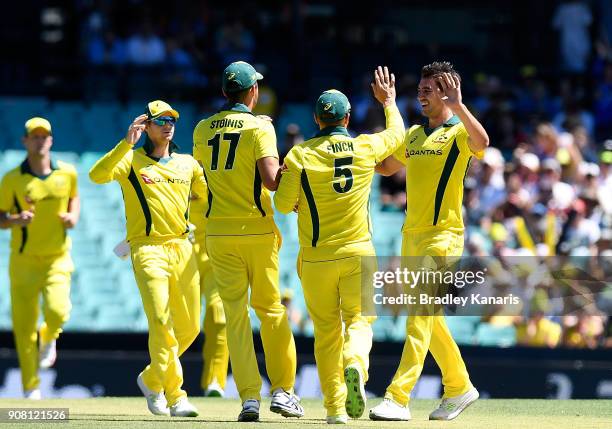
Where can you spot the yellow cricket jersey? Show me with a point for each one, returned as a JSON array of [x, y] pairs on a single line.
[[155, 191], [228, 145], [436, 163], [329, 178], [47, 197]]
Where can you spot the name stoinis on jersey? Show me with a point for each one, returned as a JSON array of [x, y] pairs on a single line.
[[226, 122], [340, 147]]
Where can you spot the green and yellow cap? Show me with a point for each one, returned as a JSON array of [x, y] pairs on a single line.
[[332, 106], [158, 107], [239, 76], [37, 123]]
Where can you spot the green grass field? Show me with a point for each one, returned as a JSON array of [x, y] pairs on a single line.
[[106, 413]]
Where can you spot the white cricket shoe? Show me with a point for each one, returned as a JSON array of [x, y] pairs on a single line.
[[250, 411], [156, 401], [286, 404], [451, 407], [32, 394], [355, 392], [342, 419], [183, 408], [214, 390], [47, 354], [390, 410]]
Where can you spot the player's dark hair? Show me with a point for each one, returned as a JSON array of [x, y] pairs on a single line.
[[438, 67], [237, 97]]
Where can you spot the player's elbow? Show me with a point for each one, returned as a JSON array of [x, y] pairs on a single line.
[[270, 183], [380, 169], [482, 143], [97, 176]]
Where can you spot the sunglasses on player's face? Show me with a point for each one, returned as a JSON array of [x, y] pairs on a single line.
[[161, 121]]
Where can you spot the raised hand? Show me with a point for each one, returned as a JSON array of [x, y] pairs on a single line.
[[449, 90], [135, 130], [383, 86]]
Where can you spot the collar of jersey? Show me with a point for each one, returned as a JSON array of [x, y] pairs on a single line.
[[237, 107], [25, 168], [148, 148], [453, 120], [333, 130]]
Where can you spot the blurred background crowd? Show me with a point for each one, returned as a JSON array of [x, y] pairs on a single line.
[[539, 78]]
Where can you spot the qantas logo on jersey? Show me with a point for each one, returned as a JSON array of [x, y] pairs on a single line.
[[422, 152], [171, 180]]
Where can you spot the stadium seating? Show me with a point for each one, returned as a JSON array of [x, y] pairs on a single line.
[[491, 335]]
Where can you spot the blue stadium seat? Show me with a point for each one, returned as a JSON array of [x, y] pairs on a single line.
[[462, 329], [491, 335]]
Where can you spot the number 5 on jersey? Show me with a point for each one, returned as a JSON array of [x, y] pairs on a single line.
[[233, 139], [341, 169]]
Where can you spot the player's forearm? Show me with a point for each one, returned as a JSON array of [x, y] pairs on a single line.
[[479, 139], [394, 119], [287, 194], [393, 136], [388, 166], [102, 171], [268, 170], [74, 208], [10, 220], [5, 221]]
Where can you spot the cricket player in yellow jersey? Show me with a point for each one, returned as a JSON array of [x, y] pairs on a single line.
[[329, 178], [214, 352], [157, 183], [240, 159], [39, 202], [436, 157]]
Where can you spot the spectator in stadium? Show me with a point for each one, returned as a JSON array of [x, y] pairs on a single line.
[[393, 191], [537, 330], [293, 136], [107, 50], [584, 330], [267, 104], [39, 201], [156, 184], [491, 189], [234, 42], [603, 103], [145, 48], [572, 19]]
